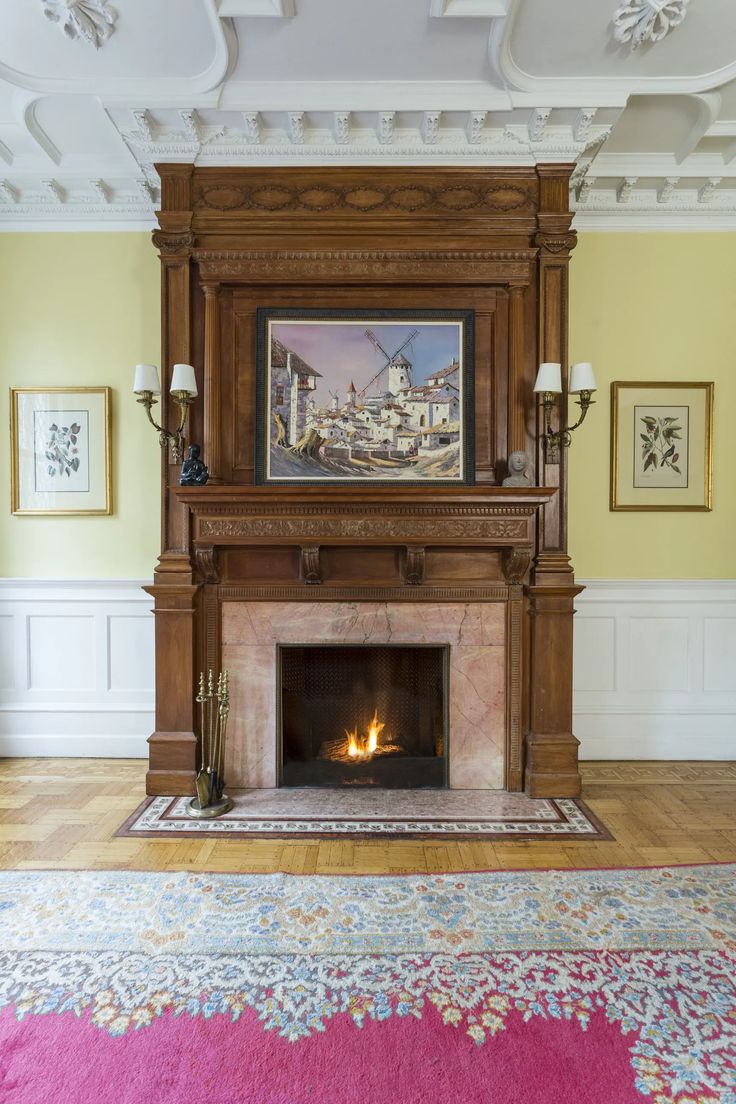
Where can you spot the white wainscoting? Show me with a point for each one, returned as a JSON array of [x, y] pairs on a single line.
[[76, 668], [655, 669]]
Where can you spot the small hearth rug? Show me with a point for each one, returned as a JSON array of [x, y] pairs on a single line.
[[367, 813], [599, 987]]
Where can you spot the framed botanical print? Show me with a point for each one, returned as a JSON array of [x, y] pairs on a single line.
[[364, 396], [60, 450], [661, 446]]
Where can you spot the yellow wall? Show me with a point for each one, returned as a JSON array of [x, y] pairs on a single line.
[[653, 307], [83, 309]]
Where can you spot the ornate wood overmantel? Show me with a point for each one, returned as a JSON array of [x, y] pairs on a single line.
[[493, 240]]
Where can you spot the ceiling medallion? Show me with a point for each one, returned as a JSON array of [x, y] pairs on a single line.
[[91, 20], [641, 21]]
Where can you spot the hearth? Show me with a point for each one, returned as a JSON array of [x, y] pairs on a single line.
[[363, 715]]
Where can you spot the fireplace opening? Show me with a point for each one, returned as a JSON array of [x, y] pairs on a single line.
[[367, 715]]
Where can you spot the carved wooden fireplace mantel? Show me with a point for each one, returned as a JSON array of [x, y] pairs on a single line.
[[495, 241]]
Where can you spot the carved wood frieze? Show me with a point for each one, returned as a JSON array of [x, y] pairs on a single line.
[[499, 266], [390, 529], [368, 197]]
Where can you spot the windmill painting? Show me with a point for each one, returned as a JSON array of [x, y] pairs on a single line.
[[347, 396]]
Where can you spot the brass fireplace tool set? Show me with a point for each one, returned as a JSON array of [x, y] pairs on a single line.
[[214, 706]]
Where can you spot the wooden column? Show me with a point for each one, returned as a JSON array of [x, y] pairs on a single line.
[[172, 755], [516, 430], [551, 747], [212, 414]]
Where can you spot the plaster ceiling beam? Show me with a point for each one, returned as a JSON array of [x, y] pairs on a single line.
[[661, 165], [468, 9], [708, 107], [329, 96], [273, 9]]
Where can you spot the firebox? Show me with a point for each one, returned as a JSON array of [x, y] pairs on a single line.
[[363, 715]]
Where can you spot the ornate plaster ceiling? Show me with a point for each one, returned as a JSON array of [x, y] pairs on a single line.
[[93, 93]]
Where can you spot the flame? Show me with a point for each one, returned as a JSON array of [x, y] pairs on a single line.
[[365, 747]]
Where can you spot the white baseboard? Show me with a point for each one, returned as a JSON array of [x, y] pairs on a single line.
[[76, 668], [655, 669]]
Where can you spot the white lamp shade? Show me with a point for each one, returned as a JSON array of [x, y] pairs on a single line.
[[582, 378], [183, 379], [146, 379], [549, 378]]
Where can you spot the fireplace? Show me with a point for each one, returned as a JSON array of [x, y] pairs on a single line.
[[363, 715]]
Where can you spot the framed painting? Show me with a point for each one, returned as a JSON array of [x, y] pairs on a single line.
[[357, 397], [60, 450], [661, 446]]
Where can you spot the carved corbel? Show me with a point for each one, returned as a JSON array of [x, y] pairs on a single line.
[[311, 570], [173, 244], [414, 566], [556, 242], [205, 562], [515, 564]]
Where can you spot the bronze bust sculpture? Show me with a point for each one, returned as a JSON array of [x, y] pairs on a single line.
[[518, 462], [194, 472]]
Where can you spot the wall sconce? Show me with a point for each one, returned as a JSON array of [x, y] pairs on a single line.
[[549, 383], [183, 391]]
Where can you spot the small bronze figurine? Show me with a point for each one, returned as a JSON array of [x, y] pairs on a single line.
[[194, 473], [518, 462]]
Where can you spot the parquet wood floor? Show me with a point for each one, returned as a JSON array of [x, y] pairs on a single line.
[[61, 814]]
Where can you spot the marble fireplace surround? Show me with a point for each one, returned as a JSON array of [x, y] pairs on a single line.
[[475, 631]]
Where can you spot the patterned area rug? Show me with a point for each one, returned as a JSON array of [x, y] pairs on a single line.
[[460, 814], [599, 987]]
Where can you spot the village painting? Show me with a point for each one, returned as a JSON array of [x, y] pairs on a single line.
[[364, 399]]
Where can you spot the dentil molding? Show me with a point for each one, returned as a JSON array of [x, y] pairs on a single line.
[[91, 20]]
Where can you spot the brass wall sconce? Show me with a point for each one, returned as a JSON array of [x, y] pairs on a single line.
[[549, 384], [183, 391]]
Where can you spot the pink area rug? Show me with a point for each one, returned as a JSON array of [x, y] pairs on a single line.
[[607, 987]]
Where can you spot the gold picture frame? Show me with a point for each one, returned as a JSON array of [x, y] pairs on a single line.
[[661, 445], [57, 468]]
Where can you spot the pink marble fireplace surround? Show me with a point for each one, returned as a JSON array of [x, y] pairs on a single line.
[[476, 634]]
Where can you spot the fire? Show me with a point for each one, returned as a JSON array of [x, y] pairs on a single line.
[[365, 747]]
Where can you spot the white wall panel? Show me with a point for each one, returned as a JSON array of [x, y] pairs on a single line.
[[130, 653], [76, 668], [655, 669], [666, 689], [657, 653]]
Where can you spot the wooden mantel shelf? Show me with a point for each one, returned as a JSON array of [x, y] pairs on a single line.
[[202, 499]]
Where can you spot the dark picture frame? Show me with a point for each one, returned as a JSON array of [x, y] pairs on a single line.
[[364, 397]]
